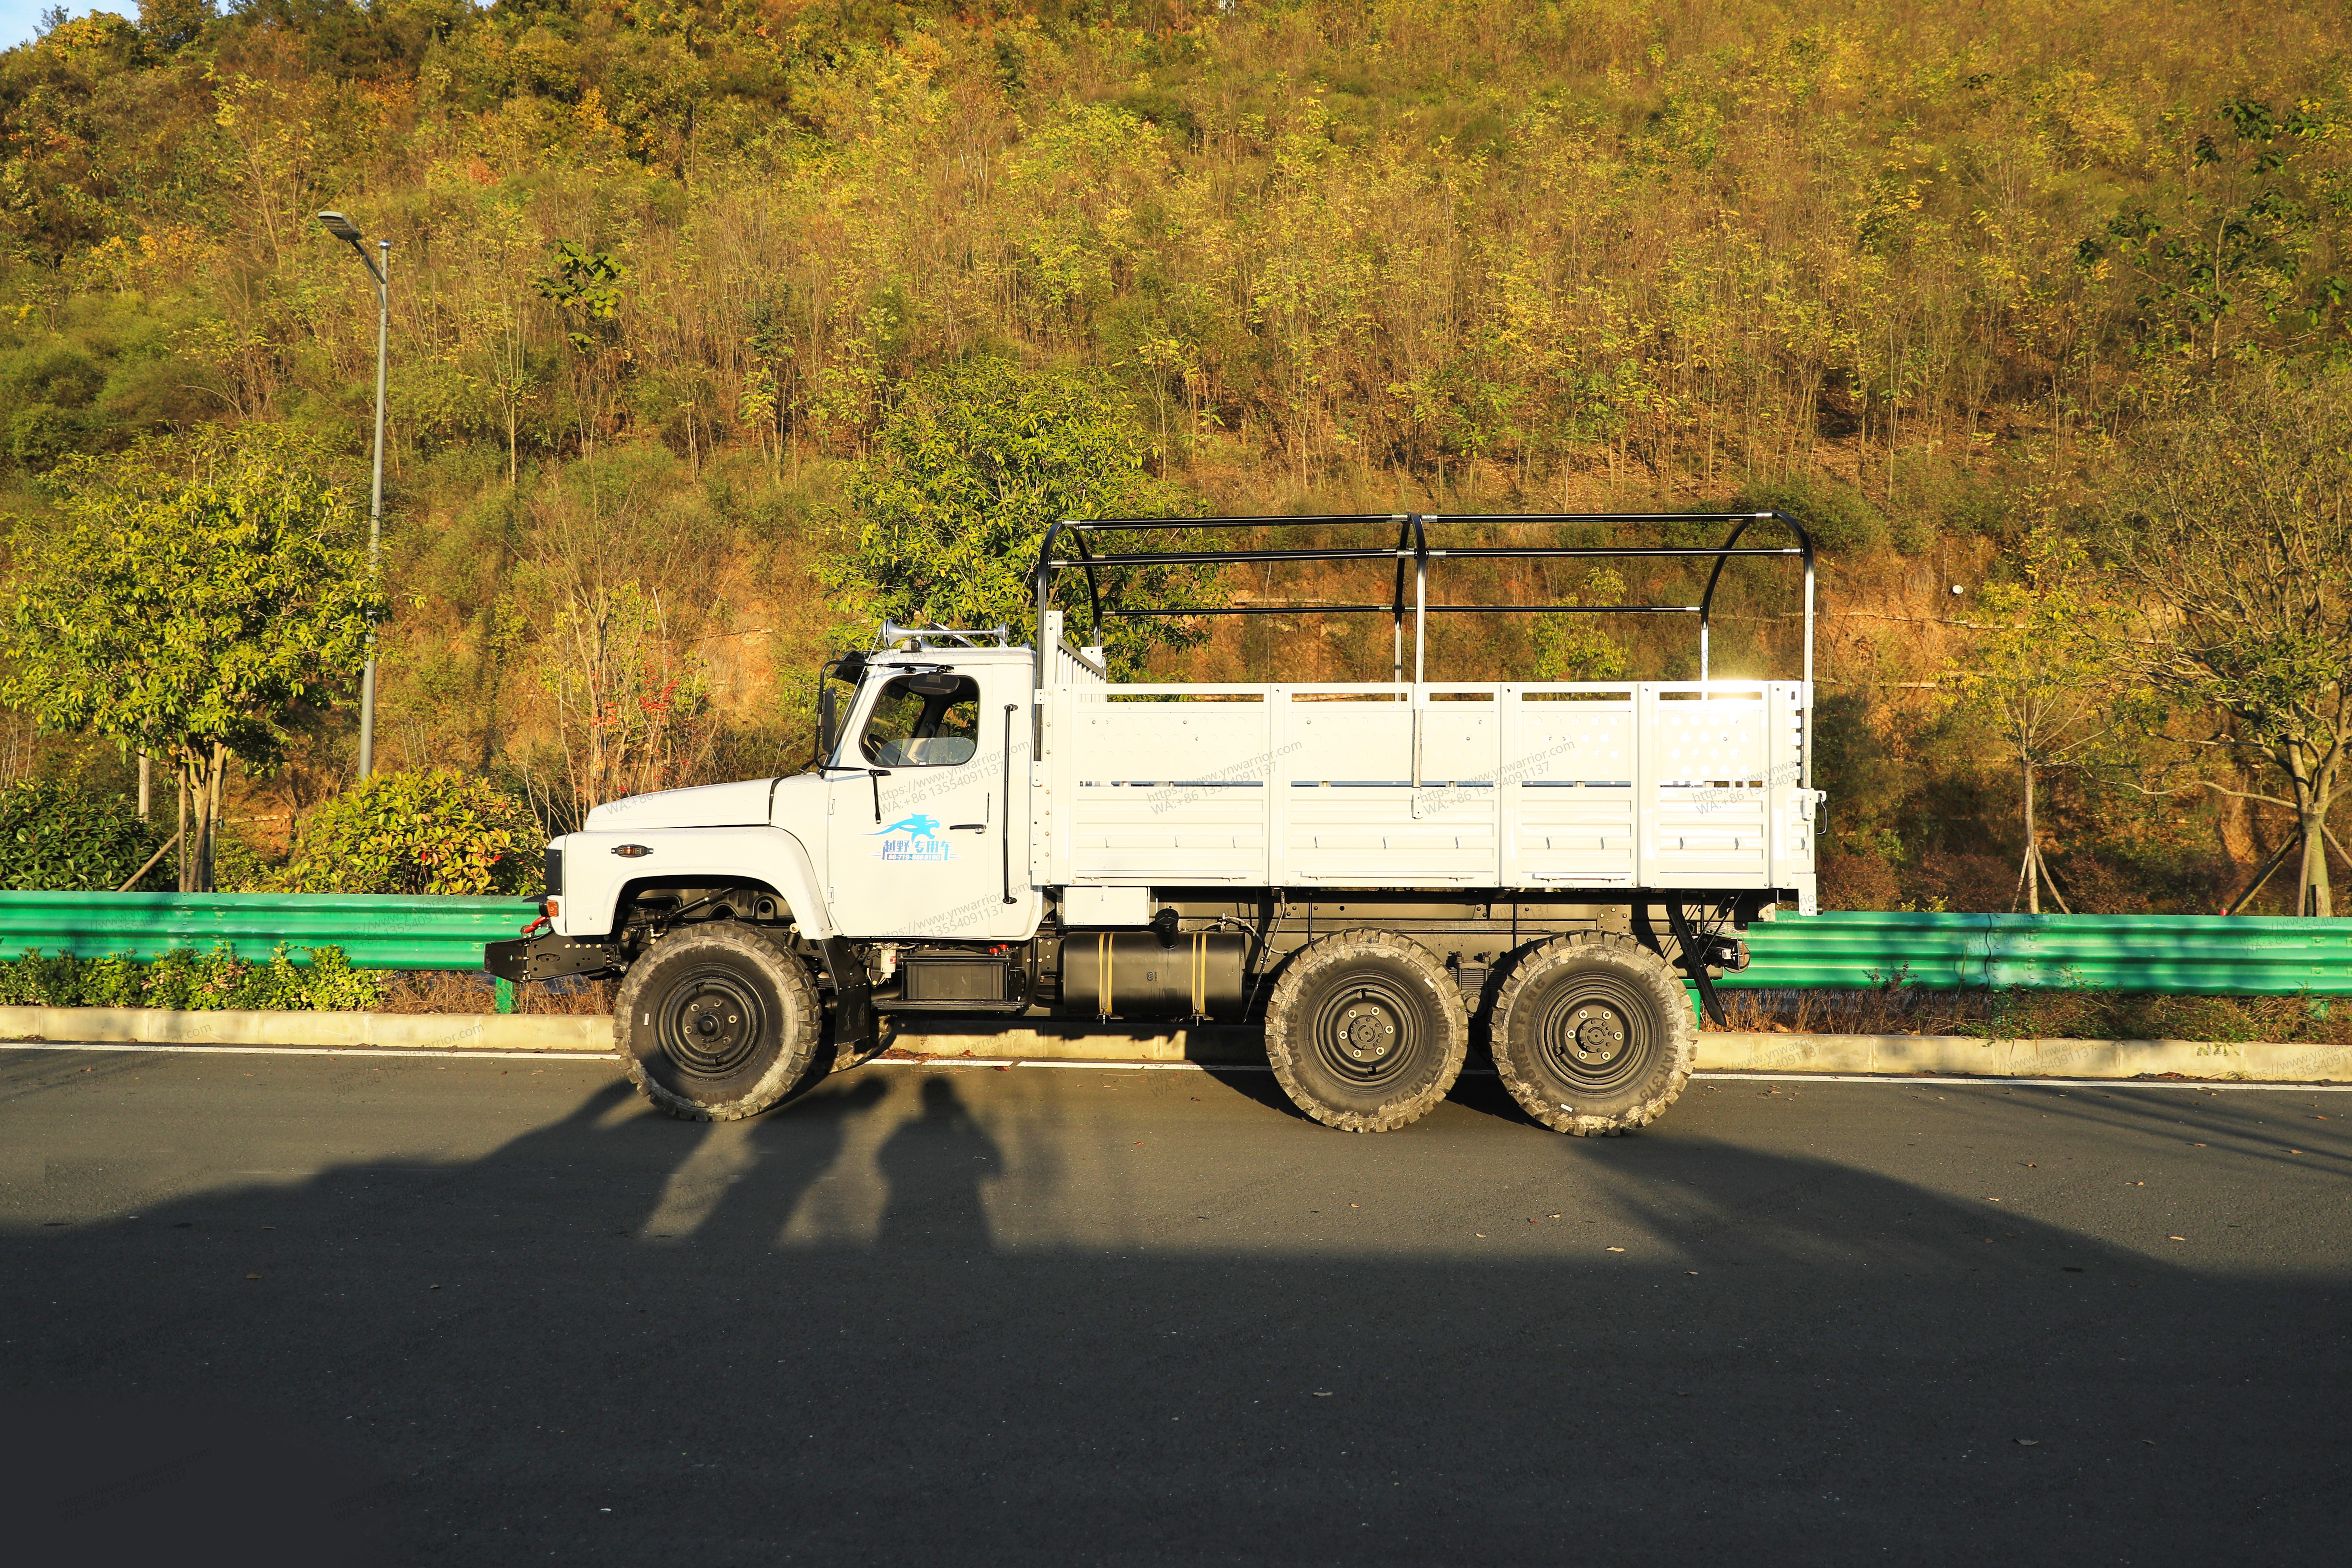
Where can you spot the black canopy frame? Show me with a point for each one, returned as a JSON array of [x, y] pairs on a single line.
[[1067, 547]]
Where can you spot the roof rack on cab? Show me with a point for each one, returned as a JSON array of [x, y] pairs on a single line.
[[895, 638]]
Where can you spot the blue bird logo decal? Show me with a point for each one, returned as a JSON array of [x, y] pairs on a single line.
[[917, 826]]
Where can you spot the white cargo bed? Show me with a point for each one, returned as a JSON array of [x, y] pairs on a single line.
[[1619, 786]]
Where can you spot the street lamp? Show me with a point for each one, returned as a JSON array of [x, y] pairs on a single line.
[[342, 228]]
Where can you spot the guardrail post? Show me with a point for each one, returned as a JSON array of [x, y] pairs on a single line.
[[504, 990]]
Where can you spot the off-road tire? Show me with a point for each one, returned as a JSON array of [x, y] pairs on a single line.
[[764, 1015], [1593, 1034], [1366, 1031]]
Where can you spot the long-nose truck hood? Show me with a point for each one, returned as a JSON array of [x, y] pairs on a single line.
[[741, 804]]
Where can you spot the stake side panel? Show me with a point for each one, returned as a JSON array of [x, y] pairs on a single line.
[[1609, 787]]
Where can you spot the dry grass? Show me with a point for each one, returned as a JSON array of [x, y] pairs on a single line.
[[470, 991], [2041, 1014]]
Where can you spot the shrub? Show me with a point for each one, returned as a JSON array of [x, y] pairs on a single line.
[[974, 463], [185, 980], [1977, 884], [332, 985], [54, 838], [35, 980], [1851, 881], [437, 831], [219, 980], [114, 981], [1835, 514], [40, 435], [172, 979]]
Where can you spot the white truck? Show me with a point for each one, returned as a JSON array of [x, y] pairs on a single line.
[[1376, 873]]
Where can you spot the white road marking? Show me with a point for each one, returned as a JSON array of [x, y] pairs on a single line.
[[354, 1051], [1964, 1082]]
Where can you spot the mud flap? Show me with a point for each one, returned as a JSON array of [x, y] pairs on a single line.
[[852, 994], [1692, 958]]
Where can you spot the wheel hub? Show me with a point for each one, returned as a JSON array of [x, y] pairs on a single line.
[[1591, 1031], [1599, 1036], [1367, 1033], [711, 1024]]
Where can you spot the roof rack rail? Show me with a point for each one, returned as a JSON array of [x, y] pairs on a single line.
[[894, 637]]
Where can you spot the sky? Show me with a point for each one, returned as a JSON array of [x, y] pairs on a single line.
[[20, 19]]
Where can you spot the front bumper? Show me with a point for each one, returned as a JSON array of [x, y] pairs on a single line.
[[548, 955]]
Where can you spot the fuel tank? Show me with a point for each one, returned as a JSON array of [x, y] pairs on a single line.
[[1141, 975]]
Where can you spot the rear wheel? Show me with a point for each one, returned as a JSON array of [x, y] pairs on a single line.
[[717, 1024], [1592, 1035], [1366, 1031]]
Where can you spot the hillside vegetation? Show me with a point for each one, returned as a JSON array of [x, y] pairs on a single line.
[[676, 285]]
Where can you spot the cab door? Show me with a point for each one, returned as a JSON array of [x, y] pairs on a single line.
[[920, 844]]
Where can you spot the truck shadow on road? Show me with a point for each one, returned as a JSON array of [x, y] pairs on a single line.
[[1790, 1360]]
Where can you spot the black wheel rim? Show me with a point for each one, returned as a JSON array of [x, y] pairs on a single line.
[[1368, 1034], [1594, 1032], [710, 1024]]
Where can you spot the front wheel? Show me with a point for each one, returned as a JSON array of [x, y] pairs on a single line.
[[717, 1024], [1365, 1031], [1592, 1035]]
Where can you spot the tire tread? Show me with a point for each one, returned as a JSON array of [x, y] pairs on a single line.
[[1682, 1034], [1281, 1019], [803, 1026]]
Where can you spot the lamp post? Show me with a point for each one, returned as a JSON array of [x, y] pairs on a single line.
[[342, 228]]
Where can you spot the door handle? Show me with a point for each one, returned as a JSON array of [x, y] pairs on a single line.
[[966, 828]]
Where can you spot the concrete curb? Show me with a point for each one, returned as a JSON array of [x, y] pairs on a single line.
[[1962, 1055], [1895, 1055], [357, 1031], [1213, 1046]]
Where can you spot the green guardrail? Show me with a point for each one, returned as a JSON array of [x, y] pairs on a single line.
[[2208, 955], [2187, 954], [374, 931]]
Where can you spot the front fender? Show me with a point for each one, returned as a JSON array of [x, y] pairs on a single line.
[[594, 875]]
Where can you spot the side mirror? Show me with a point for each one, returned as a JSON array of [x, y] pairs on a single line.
[[828, 725]]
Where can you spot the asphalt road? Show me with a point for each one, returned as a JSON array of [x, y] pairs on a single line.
[[308, 1308]]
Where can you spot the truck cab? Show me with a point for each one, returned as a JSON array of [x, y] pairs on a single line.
[[926, 798]]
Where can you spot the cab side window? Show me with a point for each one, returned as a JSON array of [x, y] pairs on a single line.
[[926, 721]]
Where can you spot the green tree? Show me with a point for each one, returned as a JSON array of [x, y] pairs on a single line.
[[973, 465], [2243, 230], [437, 831], [1577, 648], [2239, 572], [2045, 671], [170, 25], [181, 600]]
